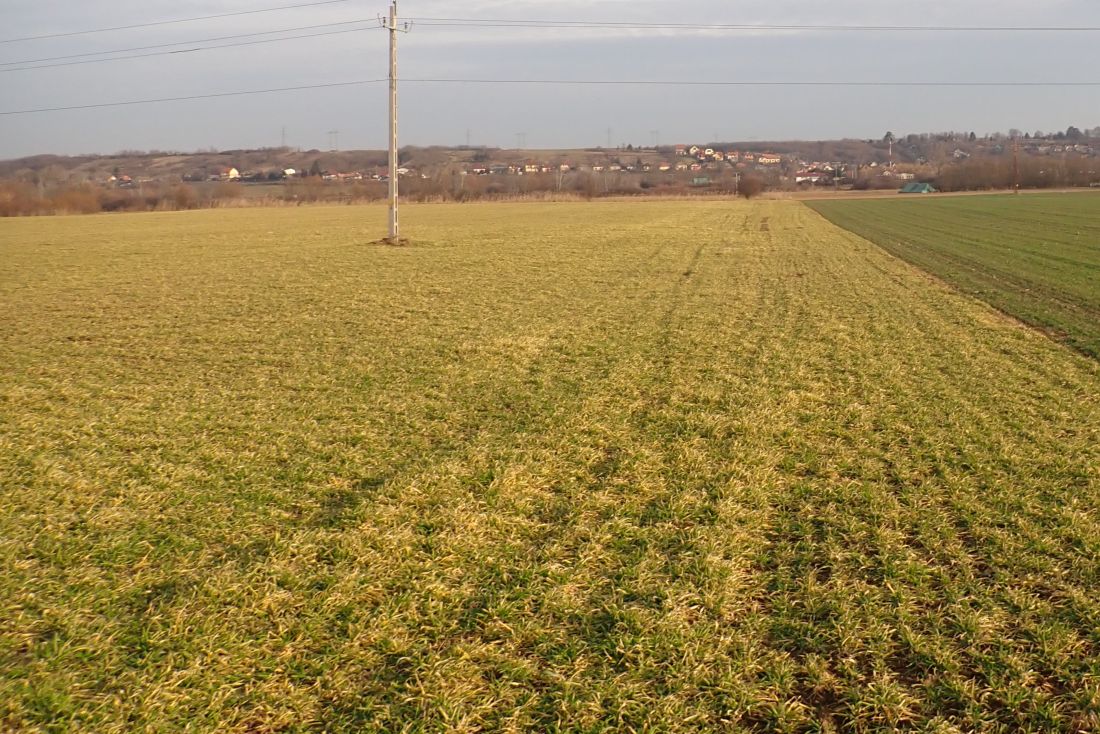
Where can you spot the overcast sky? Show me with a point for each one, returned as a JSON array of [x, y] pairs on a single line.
[[548, 116]]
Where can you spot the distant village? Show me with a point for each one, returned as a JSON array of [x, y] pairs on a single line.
[[701, 164], [924, 163], [693, 159]]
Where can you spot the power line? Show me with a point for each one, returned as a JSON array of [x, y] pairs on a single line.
[[472, 24], [581, 24], [192, 97], [82, 58], [697, 83], [186, 43], [560, 82], [525, 24], [625, 25], [171, 22], [185, 50]]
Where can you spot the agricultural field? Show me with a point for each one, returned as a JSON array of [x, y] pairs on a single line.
[[1036, 257], [662, 466]]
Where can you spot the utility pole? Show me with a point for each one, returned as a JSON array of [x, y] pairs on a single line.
[[1016, 165], [393, 28], [394, 228]]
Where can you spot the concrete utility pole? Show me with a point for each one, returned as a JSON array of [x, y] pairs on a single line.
[[1016, 165], [394, 228], [392, 27]]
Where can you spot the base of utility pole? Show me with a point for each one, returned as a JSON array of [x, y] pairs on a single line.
[[399, 242]]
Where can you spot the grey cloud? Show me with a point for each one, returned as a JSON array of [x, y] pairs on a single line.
[[551, 116]]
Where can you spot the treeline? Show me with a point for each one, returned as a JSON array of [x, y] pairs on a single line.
[[990, 173], [453, 186], [24, 199], [979, 174], [580, 184]]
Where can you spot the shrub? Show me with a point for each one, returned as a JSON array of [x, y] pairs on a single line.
[[184, 197], [76, 200], [751, 187]]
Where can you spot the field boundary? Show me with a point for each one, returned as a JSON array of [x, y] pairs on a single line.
[[1003, 286], [946, 285]]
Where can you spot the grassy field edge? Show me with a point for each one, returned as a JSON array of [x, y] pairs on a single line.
[[1035, 260]]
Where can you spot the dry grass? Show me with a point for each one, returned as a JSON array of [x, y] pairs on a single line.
[[604, 467]]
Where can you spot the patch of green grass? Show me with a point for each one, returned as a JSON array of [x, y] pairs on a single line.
[[654, 466], [1036, 257]]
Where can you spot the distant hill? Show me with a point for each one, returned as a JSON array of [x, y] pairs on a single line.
[[925, 150], [172, 165]]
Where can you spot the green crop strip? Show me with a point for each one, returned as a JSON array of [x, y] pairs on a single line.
[[1036, 257]]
